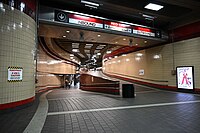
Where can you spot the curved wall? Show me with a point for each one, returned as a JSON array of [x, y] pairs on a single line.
[[17, 49], [50, 71], [158, 62]]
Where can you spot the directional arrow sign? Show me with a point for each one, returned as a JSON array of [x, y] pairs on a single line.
[[60, 16]]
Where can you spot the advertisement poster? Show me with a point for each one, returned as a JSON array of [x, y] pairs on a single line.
[[185, 78], [15, 73]]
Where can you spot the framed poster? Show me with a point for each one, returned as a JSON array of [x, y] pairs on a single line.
[[15, 74], [185, 77]]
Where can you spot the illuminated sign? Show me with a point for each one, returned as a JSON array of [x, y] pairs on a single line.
[[185, 78], [143, 31], [60, 16], [117, 26], [85, 21], [15, 73]]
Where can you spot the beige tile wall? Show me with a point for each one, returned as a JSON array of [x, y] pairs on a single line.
[[17, 45], [183, 53]]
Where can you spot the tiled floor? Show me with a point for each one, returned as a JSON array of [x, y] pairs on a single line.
[[151, 111], [177, 118]]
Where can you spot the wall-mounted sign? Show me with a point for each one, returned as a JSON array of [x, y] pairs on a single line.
[[117, 26], [185, 77], [141, 72], [15, 74], [143, 31], [85, 21], [60, 16]]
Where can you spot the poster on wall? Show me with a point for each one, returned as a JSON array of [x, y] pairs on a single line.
[[185, 77], [15, 74], [141, 72]]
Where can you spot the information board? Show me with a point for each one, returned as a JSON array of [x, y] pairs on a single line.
[[85, 21], [117, 26], [15, 73], [185, 77], [143, 31]]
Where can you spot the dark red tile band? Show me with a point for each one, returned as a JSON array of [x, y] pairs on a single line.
[[16, 104]]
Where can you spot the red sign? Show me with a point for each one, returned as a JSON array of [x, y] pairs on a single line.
[[85, 21], [117, 26]]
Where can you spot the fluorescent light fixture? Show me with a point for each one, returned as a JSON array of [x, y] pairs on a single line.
[[154, 7], [108, 52], [156, 56], [124, 55], [148, 16], [89, 3], [91, 6], [139, 54], [71, 55], [98, 53], [75, 50]]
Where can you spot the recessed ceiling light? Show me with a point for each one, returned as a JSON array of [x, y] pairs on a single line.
[[108, 52], [139, 54], [98, 35], [64, 36], [124, 55], [124, 39], [136, 44], [98, 53], [145, 41], [68, 31], [116, 56], [116, 42], [154, 7]]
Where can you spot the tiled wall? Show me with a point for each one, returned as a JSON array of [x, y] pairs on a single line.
[[158, 62], [17, 45]]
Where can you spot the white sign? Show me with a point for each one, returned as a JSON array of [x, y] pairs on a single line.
[[185, 77], [118, 26], [15, 74], [141, 72], [143, 31], [85, 21]]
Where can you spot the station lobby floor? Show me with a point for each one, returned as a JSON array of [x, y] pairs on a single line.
[[76, 111]]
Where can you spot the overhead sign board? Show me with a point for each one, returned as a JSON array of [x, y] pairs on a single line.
[[185, 77], [85, 21], [88, 21], [117, 26], [15, 73], [143, 31]]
